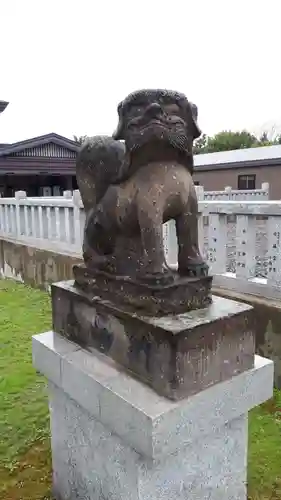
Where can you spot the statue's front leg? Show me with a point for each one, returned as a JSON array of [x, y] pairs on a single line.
[[98, 242], [154, 268], [190, 260]]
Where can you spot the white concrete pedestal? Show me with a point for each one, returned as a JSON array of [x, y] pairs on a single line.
[[115, 438]]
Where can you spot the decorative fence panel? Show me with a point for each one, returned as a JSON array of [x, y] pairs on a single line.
[[240, 239]]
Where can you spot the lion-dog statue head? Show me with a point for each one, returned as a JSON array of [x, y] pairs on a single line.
[[158, 120]]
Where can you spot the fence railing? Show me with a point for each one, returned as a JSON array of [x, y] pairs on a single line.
[[241, 240], [235, 194], [54, 219], [227, 194]]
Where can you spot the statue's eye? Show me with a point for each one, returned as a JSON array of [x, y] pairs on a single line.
[[172, 109], [138, 109], [134, 111]]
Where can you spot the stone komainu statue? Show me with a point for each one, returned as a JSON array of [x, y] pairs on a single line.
[[136, 180]]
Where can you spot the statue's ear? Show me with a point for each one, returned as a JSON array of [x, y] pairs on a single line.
[[195, 130], [119, 132]]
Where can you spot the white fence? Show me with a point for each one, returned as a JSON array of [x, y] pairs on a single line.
[[227, 194], [234, 194], [240, 239], [57, 220]]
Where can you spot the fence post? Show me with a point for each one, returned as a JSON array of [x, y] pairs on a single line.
[[170, 242], [76, 198], [67, 194], [2, 219], [265, 188], [200, 198], [274, 252], [19, 195], [199, 192], [228, 190], [217, 239], [245, 246]]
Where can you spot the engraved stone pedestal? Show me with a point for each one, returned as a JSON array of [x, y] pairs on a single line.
[[114, 438], [177, 355]]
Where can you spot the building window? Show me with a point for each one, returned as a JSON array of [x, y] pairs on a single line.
[[246, 182]]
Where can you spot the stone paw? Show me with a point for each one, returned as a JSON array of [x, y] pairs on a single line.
[[157, 279], [100, 262], [196, 270]]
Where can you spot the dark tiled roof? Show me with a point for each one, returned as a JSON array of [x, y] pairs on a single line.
[[59, 140], [3, 105]]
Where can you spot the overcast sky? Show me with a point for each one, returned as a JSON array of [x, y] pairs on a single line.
[[65, 65]]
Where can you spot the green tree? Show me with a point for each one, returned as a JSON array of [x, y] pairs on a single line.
[[228, 140], [269, 139], [201, 145], [264, 139], [80, 139]]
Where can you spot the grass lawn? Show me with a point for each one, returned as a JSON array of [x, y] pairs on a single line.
[[25, 462]]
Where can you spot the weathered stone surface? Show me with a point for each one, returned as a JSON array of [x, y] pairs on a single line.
[[151, 424], [92, 463], [129, 190], [181, 295], [35, 266], [268, 326], [113, 435], [177, 355]]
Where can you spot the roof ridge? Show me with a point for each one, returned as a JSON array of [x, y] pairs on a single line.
[[36, 141], [262, 154]]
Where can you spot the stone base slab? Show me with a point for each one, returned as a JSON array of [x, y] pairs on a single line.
[[90, 462], [178, 296], [133, 410], [178, 355], [114, 437]]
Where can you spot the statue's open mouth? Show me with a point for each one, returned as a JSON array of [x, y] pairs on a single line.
[[156, 123], [143, 125]]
